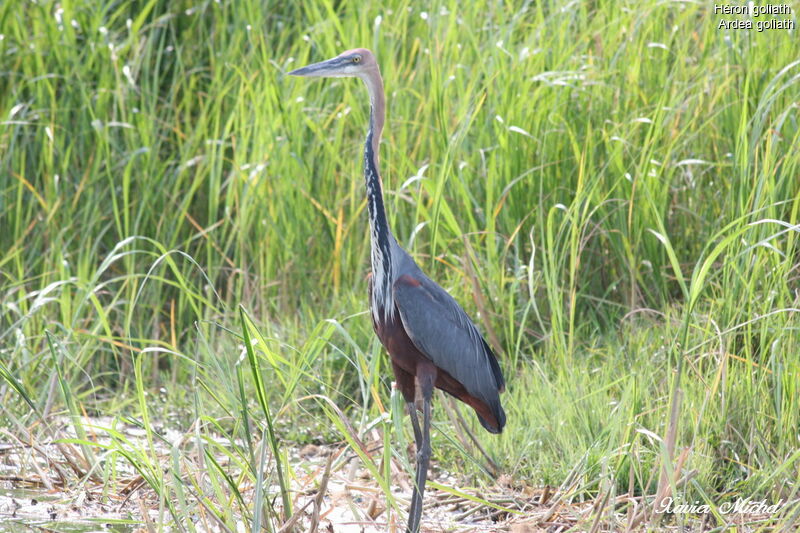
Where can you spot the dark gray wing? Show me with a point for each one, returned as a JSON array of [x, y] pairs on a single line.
[[440, 329]]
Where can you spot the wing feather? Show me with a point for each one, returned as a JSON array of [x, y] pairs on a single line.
[[441, 329]]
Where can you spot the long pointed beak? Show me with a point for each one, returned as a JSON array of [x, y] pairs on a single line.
[[331, 67]]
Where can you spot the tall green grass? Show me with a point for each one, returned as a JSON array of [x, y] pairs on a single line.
[[618, 180]]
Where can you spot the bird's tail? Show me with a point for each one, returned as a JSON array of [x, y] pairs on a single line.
[[499, 419]]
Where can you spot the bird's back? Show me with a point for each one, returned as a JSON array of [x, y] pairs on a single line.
[[440, 329]]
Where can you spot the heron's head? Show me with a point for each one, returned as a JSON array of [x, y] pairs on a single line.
[[358, 62]]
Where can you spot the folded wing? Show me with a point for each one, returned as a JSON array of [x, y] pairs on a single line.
[[441, 330]]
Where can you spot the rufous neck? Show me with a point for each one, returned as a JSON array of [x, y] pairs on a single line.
[[377, 103]]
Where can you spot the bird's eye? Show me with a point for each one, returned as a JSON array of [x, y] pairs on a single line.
[[357, 59]]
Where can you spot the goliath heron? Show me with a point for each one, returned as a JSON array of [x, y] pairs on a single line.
[[430, 339]]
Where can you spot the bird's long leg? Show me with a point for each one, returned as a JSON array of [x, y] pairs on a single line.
[[412, 412], [426, 379], [415, 502]]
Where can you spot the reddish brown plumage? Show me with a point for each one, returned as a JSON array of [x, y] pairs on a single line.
[[408, 363]]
